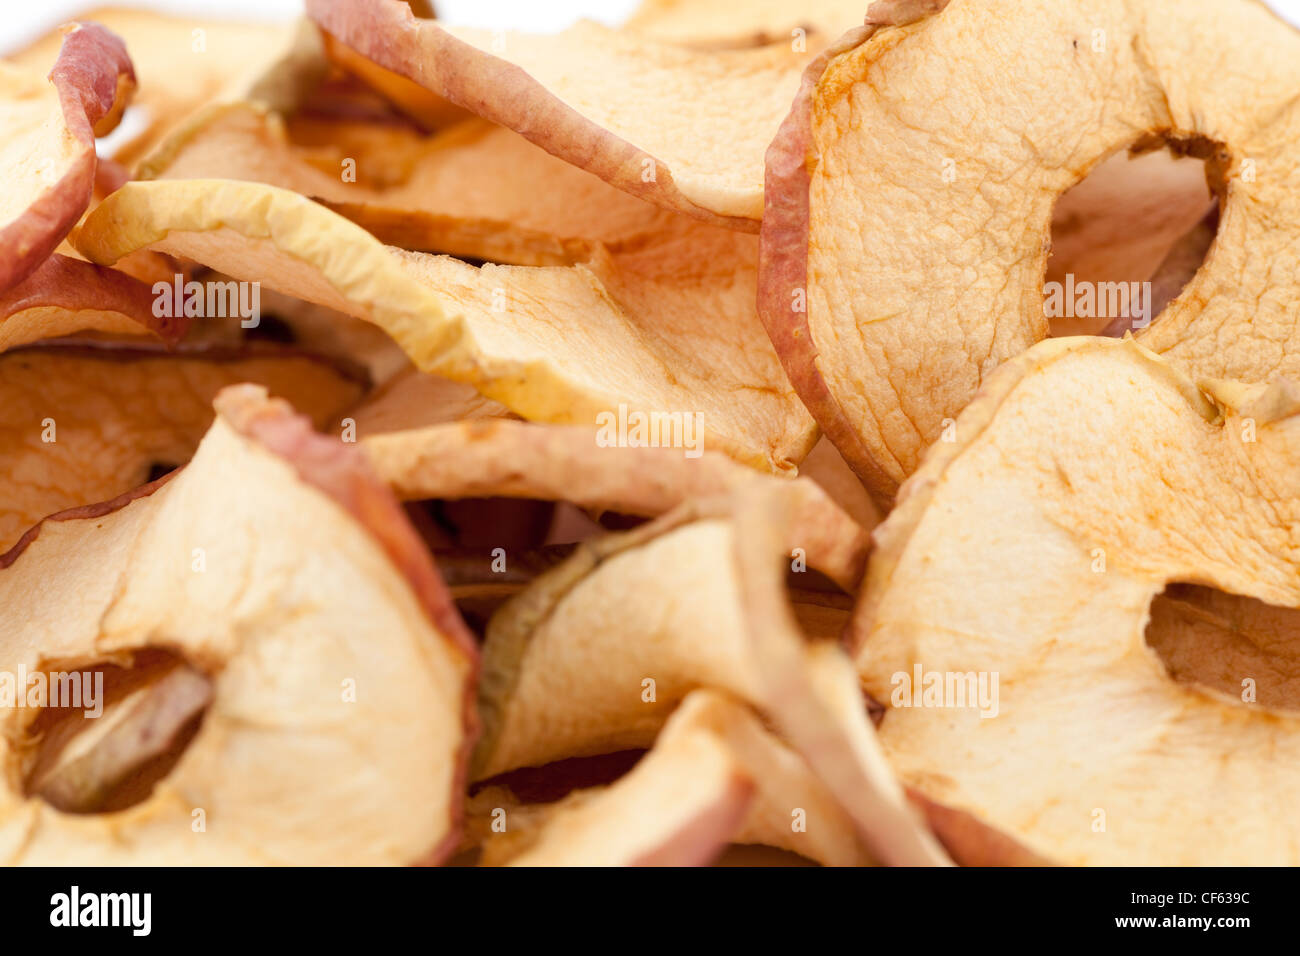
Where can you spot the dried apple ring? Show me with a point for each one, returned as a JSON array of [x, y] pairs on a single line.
[[503, 459], [341, 677], [1020, 567], [930, 157]]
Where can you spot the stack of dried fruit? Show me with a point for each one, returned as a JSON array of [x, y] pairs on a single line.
[[410, 438]]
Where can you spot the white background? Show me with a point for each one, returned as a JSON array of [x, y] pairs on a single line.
[[22, 20]]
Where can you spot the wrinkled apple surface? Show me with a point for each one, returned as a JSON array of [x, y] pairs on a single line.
[[1019, 569], [944, 201]]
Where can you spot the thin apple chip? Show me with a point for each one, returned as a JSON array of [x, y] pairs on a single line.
[[659, 343], [682, 128], [1004, 610], [679, 806], [476, 459], [497, 459], [274, 546], [423, 106]]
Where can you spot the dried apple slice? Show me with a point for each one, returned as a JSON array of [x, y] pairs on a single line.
[[487, 463], [707, 568], [49, 151], [476, 190], [946, 202], [532, 643], [341, 677], [682, 128], [714, 776], [475, 459], [510, 459], [1022, 562], [678, 807], [525, 337], [727, 24], [65, 295], [80, 424], [184, 64]]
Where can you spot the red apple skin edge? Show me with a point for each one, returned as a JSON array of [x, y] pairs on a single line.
[[385, 32], [94, 79], [784, 244]]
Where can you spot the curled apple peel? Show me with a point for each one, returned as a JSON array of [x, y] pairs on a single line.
[[49, 155]]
